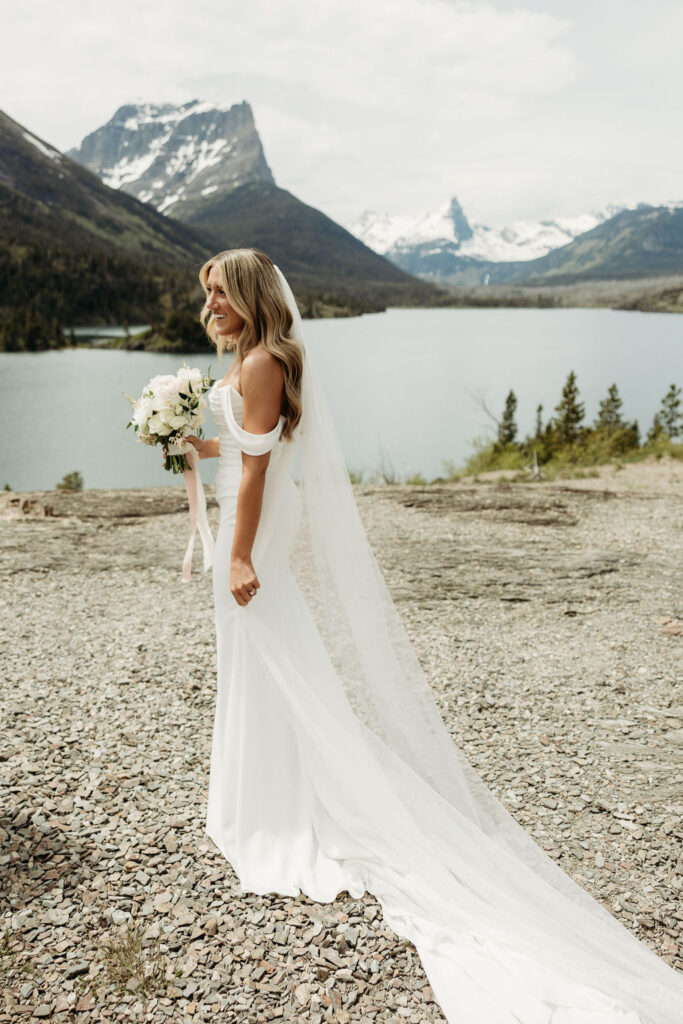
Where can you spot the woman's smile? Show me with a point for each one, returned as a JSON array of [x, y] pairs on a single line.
[[227, 320]]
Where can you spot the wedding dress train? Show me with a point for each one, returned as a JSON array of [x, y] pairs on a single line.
[[307, 795]]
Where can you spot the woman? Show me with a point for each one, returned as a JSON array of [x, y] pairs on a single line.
[[331, 768]]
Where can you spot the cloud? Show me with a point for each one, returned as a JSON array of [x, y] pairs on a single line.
[[395, 104]]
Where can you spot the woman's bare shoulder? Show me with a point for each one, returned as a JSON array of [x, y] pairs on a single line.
[[260, 368]]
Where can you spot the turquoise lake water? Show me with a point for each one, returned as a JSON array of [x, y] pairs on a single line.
[[404, 387]]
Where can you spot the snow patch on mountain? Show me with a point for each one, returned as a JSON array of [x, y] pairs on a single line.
[[50, 151], [129, 169]]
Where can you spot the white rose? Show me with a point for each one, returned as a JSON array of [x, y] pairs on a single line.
[[143, 409], [165, 387], [157, 425], [191, 379]]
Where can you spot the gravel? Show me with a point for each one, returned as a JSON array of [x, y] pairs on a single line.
[[549, 620]]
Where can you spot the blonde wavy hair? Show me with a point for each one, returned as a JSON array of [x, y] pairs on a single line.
[[252, 287]]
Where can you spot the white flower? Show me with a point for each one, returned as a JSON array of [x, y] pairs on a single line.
[[143, 409], [189, 377], [160, 415], [165, 387], [157, 425]]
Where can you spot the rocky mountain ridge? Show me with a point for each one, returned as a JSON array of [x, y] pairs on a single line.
[[449, 226]]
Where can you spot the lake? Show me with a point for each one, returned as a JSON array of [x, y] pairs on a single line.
[[405, 388]]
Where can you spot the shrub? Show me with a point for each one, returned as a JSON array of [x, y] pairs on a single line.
[[71, 482]]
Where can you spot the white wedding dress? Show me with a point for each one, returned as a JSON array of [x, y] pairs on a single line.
[[305, 796]]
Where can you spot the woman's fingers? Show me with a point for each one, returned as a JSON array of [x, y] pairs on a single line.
[[244, 592]]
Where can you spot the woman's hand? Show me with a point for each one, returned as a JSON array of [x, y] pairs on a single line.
[[206, 447], [244, 582], [198, 444]]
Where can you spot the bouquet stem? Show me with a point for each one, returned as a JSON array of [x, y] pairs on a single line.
[[176, 463]]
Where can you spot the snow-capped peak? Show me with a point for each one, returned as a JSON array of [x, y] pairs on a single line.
[[520, 240]]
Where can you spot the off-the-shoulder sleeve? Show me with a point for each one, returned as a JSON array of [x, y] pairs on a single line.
[[251, 444]]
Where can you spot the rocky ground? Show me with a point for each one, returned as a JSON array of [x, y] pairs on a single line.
[[549, 619]]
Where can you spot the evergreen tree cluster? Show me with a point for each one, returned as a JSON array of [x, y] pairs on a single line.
[[45, 288], [566, 437]]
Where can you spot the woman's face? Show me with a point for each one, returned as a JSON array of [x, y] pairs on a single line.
[[226, 319]]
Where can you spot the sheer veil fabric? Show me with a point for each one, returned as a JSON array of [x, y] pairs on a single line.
[[386, 802]]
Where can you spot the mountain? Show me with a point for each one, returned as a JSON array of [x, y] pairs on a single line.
[[437, 245], [169, 155], [444, 247], [316, 253], [73, 250], [205, 166]]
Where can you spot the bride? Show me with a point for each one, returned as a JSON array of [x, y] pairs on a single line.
[[331, 768]]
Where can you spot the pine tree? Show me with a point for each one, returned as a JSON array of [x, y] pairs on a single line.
[[671, 414], [656, 431], [609, 413], [668, 422], [570, 412], [539, 422], [507, 428]]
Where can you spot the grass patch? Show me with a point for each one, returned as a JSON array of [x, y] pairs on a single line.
[[129, 957], [12, 966], [8, 953], [570, 463]]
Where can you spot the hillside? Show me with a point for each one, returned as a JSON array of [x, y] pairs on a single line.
[[645, 242], [316, 254]]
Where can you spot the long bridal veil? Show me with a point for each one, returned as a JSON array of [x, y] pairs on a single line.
[[473, 869]]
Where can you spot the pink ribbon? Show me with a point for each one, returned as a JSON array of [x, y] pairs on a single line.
[[198, 518]]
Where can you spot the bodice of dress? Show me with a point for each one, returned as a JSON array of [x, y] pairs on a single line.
[[226, 404]]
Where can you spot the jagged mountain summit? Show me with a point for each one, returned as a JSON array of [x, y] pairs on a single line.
[[443, 247], [448, 230], [174, 155]]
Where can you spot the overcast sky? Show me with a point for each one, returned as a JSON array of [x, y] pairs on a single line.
[[523, 110]]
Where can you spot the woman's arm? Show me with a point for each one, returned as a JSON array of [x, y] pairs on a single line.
[[261, 380]]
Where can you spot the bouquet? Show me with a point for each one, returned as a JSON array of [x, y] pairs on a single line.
[[170, 408]]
